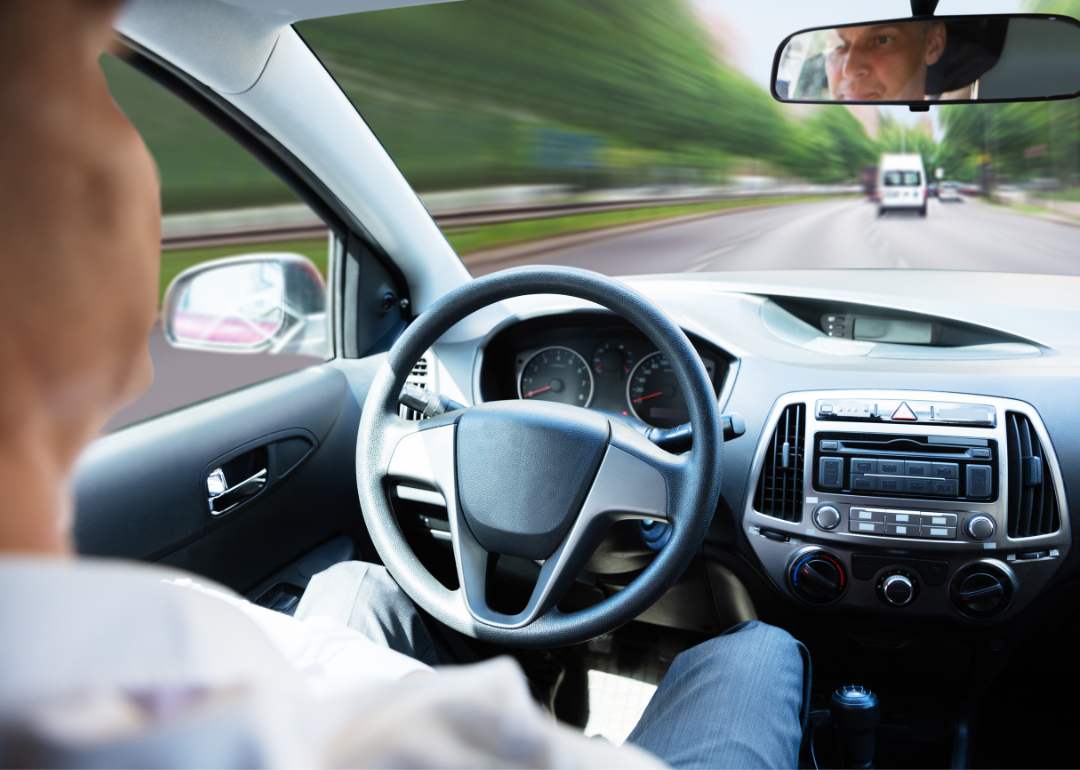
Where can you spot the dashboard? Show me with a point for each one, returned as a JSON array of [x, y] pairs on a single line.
[[596, 361], [893, 478]]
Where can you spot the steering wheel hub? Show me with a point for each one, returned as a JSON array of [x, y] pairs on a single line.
[[523, 471]]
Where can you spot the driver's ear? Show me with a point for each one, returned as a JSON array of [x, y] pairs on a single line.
[[936, 39]]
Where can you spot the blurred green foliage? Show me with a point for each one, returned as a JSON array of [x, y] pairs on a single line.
[[458, 91], [586, 93], [1031, 143], [201, 167]]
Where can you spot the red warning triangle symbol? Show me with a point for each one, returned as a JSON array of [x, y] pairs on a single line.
[[903, 412]]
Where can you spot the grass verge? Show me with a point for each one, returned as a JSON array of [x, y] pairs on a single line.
[[467, 240]]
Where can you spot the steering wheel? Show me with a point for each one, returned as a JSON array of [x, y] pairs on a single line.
[[537, 480]]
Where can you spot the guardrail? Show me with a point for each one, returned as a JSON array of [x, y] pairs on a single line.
[[477, 217]]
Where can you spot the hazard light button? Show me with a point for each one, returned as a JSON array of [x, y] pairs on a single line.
[[904, 413]]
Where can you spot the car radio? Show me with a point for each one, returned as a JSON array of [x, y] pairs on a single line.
[[907, 499], [897, 465]]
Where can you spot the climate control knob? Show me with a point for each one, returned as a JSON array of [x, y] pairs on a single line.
[[817, 577], [980, 527], [897, 588], [826, 517], [982, 590]]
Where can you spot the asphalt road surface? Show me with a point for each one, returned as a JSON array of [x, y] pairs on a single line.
[[835, 234], [822, 234]]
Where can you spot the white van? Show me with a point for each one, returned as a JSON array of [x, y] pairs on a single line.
[[901, 183]]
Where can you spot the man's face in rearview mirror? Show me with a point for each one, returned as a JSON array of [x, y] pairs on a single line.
[[883, 62]]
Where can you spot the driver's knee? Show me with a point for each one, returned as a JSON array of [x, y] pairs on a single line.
[[738, 701], [746, 656]]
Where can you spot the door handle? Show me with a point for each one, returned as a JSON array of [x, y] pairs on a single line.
[[223, 498]]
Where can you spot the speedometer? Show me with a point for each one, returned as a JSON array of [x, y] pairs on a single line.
[[557, 374], [654, 394]]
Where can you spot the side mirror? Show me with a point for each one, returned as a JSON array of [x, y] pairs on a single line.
[[932, 59], [257, 303]]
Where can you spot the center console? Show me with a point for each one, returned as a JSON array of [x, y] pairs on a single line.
[[924, 503]]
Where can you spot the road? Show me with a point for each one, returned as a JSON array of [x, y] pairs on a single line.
[[820, 234], [833, 234]]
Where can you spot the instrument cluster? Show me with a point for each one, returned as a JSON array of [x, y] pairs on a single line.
[[605, 367]]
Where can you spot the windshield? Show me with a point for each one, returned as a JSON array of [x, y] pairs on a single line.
[[898, 178], [639, 137]]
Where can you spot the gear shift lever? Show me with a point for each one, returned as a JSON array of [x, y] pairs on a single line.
[[855, 715]]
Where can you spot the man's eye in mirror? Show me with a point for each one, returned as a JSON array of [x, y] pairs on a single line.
[[957, 58]]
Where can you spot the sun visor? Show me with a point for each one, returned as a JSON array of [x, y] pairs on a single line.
[[226, 43]]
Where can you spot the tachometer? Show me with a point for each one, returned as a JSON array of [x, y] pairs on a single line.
[[557, 374], [613, 358], [654, 394]]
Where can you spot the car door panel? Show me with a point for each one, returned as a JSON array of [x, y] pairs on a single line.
[[141, 492]]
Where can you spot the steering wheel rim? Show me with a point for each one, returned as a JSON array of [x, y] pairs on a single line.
[[691, 481]]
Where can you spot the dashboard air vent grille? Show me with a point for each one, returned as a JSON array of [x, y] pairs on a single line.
[[419, 378], [779, 491], [1033, 508]]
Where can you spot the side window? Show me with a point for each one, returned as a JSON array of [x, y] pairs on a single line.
[[229, 324]]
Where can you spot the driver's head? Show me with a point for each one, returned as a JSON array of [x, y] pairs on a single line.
[[80, 219], [882, 62]]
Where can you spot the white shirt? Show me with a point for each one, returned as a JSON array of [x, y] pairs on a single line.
[[118, 664]]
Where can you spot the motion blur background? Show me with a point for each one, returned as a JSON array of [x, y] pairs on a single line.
[[625, 136]]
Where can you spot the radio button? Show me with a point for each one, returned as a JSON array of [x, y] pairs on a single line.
[[978, 481], [891, 467], [903, 517], [916, 468], [866, 514], [863, 466], [946, 470], [902, 530], [939, 519], [866, 527], [917, 486], [886, 484], [948, 487], [861, 483], [832, 472], [938, 533]]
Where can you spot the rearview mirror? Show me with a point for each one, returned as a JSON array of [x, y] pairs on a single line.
[[918, 62], [258, 303]]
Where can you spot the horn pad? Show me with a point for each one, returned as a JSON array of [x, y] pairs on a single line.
[[523, 470]]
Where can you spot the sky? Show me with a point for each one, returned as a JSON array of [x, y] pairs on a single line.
[[758, 26]]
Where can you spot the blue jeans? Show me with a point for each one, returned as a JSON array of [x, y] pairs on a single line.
[[737, 701]]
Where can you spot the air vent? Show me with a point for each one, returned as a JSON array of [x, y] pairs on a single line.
[[779, 491], [419, 378], [1033, 508]]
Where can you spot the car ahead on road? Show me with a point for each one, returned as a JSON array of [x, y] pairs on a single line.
[[897, 492], [902, 182], [949, 192]]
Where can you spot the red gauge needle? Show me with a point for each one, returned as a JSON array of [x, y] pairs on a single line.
[[534, 392], [651, 395], [599, 367]]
